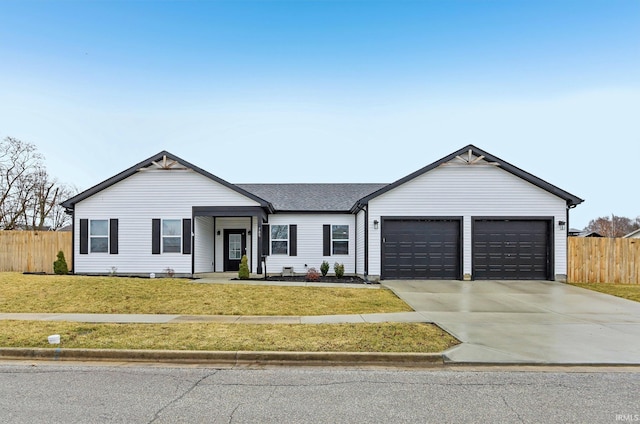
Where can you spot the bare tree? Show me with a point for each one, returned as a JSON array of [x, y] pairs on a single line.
[[18, 161], [28, 196], [58, 217], [613, 226]]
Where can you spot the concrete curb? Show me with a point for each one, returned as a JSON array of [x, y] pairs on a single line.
[[234, 358]]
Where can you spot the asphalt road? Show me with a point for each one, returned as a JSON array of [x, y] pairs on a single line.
[[61, 393]]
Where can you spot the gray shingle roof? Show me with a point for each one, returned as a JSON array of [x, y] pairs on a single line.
[[311, 197]]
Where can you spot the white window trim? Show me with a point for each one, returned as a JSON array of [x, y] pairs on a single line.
[[347, 240], [162, 236], [99, 237], [287, 239]]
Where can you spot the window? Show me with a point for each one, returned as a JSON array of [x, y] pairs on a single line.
[[235, 246], [279, 239], [171, 235], [99, 235], [340, 239]]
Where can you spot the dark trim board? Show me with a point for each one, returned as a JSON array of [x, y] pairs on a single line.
[[366, 241], [230, 211], [423, 247], [502, 256], [73, 242]]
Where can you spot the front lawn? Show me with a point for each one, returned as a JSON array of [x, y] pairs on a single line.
[[626, 291], [364, 337], [117, 295]]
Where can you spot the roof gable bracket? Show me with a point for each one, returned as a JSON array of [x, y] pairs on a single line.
[[165, 164], [471, 160]]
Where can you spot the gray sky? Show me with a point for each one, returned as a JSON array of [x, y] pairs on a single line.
[[336, 91]]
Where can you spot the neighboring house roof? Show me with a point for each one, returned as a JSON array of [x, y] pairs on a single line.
[[573, 232], [164, 155], [67, 227], [571, 200], [633, 234], [312, 197], [584, 233]]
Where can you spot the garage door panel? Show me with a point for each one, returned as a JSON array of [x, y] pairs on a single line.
[[421, 249], [511, 249]]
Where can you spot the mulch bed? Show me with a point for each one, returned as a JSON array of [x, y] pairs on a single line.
[[327, 279]]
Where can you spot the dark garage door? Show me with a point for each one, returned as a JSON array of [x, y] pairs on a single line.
[[511, 250], [421, 249]]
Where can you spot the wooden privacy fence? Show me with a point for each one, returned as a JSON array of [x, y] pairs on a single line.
[[603, 260], [33, 251]]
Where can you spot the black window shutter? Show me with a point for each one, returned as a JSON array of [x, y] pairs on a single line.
[[293, 240], [113, 236], [155, 236], [186, 236], [84, 236], [326, 240], [266, 240]]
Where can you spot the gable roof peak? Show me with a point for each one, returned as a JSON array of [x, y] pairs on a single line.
[[159, 160], [571, 199]]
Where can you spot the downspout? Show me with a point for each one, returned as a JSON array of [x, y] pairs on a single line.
[[73, 241], [566, 249], [366, 243], [355, 261]]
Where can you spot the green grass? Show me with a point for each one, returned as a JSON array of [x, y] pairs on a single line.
[[626, 291], [116, 295], [364, 337]]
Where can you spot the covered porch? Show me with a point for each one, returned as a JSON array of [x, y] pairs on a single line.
[[223, 234]]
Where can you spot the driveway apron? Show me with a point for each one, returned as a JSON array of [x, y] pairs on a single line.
[[527, 321]]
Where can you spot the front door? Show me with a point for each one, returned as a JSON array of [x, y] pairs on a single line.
[[235, 245]]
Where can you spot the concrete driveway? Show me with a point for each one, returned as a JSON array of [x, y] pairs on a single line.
[[528, 321]]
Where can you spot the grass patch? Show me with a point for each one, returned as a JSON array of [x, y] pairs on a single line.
[[117, 295], [362, 337], [626, 291]]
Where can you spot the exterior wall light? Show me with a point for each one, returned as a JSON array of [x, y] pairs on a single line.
[[562, 224], [375, 224]]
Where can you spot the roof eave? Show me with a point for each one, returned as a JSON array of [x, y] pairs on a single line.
[[571, 199], [70, 203]]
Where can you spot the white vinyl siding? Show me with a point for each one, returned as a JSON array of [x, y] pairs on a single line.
[[310, 242], [467, 191], [203, 244], [138, 199]]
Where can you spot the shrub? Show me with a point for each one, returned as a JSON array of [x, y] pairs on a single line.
[[324, 268], [170, 272], [338, 269], [60, 265], [312, 275], [243, 271]]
